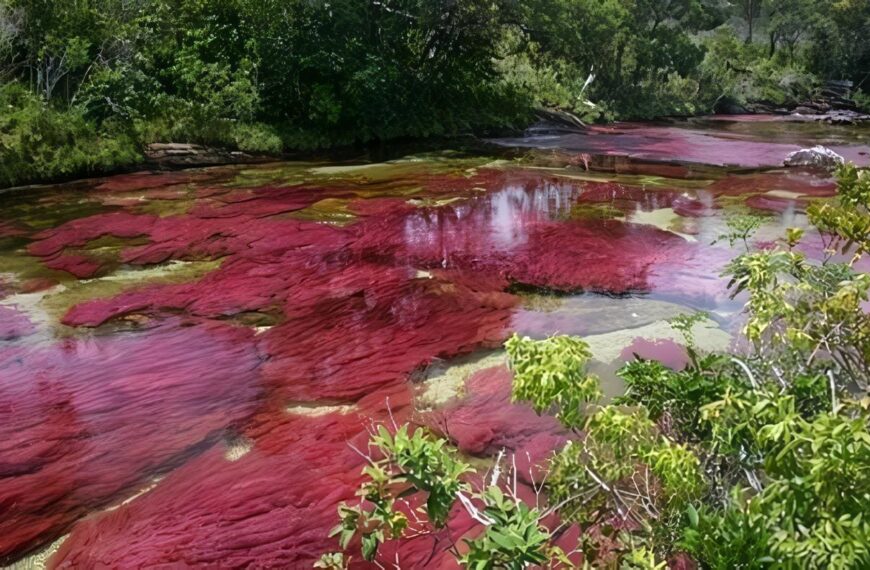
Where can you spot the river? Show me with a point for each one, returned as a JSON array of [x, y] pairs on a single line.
[[187, 359]]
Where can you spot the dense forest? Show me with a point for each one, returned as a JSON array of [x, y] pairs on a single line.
[[87, 83]]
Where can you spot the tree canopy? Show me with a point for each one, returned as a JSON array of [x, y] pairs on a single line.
[[276, 74]]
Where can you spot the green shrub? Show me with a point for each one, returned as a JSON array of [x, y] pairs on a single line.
[[746, 73], [404, 465], [39, 142], [256, 138], [551, 375], [247, 137], [727, 539]]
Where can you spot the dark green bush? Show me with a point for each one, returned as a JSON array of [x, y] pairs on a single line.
[[40, 142]]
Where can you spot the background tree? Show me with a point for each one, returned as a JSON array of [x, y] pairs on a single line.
[[750, 10], [274, 74]]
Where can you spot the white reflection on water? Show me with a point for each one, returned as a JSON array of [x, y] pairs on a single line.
[[498, 220]]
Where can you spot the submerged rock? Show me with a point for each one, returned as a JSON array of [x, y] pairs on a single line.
[[14, 324], [815, 156]]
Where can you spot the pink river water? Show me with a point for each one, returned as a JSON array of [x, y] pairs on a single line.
[[186, 358]]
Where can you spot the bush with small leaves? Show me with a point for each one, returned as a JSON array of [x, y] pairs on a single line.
[[740, 228], [514, 537], [806, 316], [403, 465], [551, 375], [408, 463]]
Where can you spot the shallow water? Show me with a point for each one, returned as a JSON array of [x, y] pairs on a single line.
[[202, 346], [735, 141]]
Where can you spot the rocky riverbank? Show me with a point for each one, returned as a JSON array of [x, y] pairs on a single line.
[[833, 105]]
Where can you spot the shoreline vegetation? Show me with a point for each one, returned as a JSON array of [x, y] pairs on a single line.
[[86, 87]]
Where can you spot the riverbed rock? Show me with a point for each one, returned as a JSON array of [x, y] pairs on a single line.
[[555, 121], [183, 155], [815, 156], [14, 324], [843, 117]]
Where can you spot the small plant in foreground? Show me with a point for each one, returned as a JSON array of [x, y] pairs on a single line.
[[740, 228], [551, 375]]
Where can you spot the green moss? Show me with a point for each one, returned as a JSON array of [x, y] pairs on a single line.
[[75, 292], [165, 208], [331, 210], [23, 267], [541, 302]]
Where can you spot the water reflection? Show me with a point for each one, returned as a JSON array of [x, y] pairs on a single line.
[[500, 219]]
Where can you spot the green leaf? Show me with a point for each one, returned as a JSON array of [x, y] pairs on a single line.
[[369, 546], [693, 516]]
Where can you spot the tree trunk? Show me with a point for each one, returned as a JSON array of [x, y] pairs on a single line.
[[749, 11]]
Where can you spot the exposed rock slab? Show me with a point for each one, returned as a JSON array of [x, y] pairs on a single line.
[[184, 155]]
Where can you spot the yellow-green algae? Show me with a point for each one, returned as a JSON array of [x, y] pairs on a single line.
[[19, 266], [664, 219], [273, 174], [165, 208], [390, 176], [632, 180], [541, 302], [329, 210], [106, 249], [435, 203], [58, 303], [48, 210], [592, 211], [315, 409], [412, 166]]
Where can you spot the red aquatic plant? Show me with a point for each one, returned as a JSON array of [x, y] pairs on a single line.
[[344, 316], [84, 423]]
